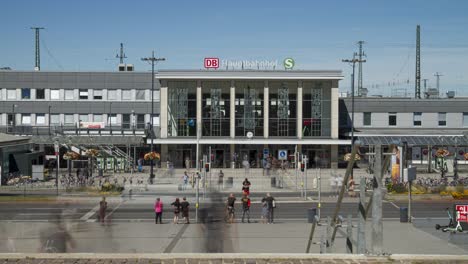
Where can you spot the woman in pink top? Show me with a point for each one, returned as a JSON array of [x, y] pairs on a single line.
[[158, 209]]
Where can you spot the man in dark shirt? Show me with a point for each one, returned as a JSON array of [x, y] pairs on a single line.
[[271, 204], [184, 205], [245, 208], [230, 207]]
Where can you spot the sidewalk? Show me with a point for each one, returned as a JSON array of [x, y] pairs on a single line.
[[144, 237]]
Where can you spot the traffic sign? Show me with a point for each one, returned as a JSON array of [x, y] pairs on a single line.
[[461, 212], [282, 154], [266, 153]]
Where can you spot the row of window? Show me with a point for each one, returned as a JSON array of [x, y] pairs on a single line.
[[69, 119], [83, 94], [417, 119]]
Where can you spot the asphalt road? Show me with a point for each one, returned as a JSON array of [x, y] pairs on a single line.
[[135, 210]]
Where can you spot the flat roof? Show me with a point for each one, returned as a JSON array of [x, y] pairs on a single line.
[[251, 74]]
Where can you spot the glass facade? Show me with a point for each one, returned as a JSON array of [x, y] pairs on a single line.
[[216, 108], [282, 109], [249, 108], [316, 109], [182, 109]]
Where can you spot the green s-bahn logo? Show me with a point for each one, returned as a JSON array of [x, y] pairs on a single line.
[[288, 63]]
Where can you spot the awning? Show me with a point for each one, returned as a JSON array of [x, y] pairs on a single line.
[[438, 140], [253, 141]]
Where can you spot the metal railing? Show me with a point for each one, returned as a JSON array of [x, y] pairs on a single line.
[[118, 129]]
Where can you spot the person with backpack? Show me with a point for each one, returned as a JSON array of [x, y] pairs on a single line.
[[176, 206], [184, 205], [246, 208], [158, 209]]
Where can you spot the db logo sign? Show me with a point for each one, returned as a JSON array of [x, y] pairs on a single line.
[[211, 63]]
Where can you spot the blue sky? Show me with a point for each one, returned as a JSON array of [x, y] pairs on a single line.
[[85, 35]]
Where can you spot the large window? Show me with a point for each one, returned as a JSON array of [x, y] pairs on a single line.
[[69, 119], [367, 119], [215, 108], [40, 119], [140, 122], [25, 93], [316, 109], [55, 94], [112, 119], [465, 119], [69, 94], [182, 109], [40, 93], [126, 95], [442, 117], [140, 94], [249, 108], [97, 118], [112, 95], [11, 94], [417, 118], [55, 119], [97, 94], [83, 94], [84, 118], [282, 109], [392, 119], [26, 119], [126, 121]]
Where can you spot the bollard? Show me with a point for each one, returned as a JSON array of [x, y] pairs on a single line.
[[403, 214]]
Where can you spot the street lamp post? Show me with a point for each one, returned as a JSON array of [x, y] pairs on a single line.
[[353, 62], [110, 118], [152, 59], [13, 122], [49, 119]]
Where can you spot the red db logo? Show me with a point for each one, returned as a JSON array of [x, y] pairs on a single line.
[[211, 63]]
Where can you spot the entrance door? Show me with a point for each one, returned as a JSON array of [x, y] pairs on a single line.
[[181, 155], [218, 161]]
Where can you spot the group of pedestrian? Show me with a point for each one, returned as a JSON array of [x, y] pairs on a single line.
[[268, 207], [178, 207]]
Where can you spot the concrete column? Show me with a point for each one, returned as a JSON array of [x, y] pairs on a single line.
[[232, 116], [334, 157], [164, 106], [299, 110], [164, 154], [266, 113], [334, 110], [377, 226], [199, 109], [232, 151]]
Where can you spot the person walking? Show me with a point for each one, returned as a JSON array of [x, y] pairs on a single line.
[[230, 208], [220, 179], [102, 210], [271, 205], [184, 205], [185, 179], [158, 209], [246, 208], [246, 187], [176, 206]]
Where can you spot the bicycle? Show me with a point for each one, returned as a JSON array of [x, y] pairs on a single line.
[[451, 227]]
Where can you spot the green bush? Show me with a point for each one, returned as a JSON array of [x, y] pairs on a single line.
[[460, 188], [109, 187], [399, 188]]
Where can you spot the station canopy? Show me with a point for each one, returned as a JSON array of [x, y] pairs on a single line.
[[414, 140]]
